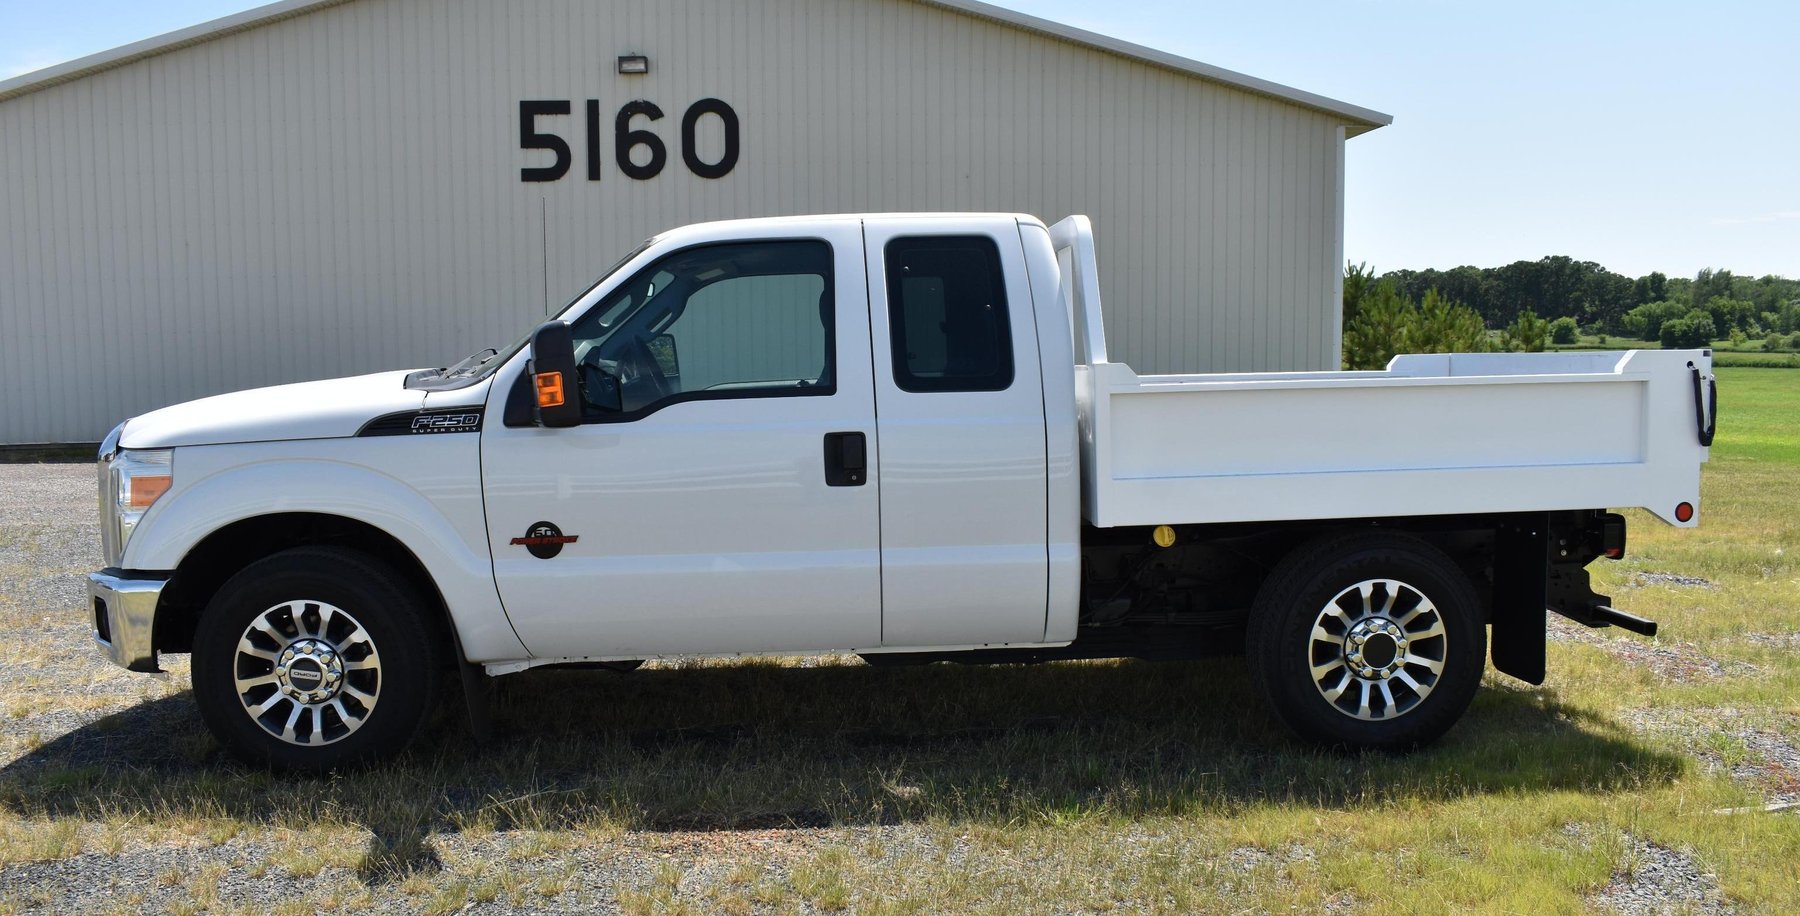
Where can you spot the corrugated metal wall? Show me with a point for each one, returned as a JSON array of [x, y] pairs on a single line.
[[340, 192]]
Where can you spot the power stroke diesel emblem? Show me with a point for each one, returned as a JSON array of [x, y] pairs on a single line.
[[544, 540]]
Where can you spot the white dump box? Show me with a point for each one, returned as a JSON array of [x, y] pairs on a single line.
[[1438, 434]]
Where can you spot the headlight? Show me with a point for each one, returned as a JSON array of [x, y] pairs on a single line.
[[137, 480]]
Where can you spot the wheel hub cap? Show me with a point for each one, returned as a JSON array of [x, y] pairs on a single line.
[[309, 670], [1377, 649]]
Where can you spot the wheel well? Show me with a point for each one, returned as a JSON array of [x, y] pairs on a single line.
[[220, 555]]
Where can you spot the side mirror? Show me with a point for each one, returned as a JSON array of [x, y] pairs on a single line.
[[556, 394]]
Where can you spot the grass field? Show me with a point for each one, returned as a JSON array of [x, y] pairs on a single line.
[[1725, 354], [828, 785]]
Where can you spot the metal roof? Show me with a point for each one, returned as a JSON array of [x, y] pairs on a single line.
[[1356, 118]]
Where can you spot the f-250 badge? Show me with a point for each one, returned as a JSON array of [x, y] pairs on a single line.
[[544, 540]]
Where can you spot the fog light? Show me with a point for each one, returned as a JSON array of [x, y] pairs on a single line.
[[102, 626]]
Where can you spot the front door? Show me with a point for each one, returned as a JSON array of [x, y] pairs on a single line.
[[710, 501], [960, 409]]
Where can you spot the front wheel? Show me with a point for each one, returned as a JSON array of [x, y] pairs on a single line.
[[1367, 640], [315, 658]]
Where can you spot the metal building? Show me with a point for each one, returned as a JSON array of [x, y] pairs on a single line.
[[328, 187]]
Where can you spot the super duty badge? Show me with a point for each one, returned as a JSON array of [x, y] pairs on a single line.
[[423, 422]]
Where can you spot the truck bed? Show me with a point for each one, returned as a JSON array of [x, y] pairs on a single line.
[[1438, 434], [1431, 435]]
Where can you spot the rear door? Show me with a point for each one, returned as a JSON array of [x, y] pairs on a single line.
[[960, 421]]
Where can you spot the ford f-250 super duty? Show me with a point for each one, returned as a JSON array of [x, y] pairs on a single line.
[[894, 435]]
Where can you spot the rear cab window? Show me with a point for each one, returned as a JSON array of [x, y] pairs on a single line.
[[947, 314]]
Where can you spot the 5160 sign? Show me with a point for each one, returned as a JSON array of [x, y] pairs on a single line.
[[626, 139]]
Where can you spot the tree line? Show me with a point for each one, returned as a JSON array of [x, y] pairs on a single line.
[[1554, 299]]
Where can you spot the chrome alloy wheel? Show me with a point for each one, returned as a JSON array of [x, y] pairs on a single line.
[[1377, 650], [307, 672]]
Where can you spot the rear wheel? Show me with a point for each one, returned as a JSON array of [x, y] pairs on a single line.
[[315, 658], [1367, 640]]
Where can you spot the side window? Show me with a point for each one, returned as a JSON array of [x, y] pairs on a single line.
[[752, 319], [947, 314], [747, 331]]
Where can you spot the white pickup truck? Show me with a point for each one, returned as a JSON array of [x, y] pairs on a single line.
[[892, 435]]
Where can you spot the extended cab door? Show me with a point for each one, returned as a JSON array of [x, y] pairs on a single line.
[[960, 417], [717, 496]]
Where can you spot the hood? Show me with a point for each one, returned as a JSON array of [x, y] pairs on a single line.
[[308, 410]]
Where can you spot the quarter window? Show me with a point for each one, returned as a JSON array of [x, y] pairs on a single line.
[[947, 314]]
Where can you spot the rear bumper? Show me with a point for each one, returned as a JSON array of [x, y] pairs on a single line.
[[124, 616]]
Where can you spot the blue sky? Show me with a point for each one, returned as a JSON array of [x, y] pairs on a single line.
[[1644, 135]]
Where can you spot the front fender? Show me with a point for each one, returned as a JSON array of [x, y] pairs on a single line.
[[423, 491]]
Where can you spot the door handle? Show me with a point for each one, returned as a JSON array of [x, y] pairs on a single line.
[[846, 460]]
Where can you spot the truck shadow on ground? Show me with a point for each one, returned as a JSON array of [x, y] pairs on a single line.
[[760, 746]]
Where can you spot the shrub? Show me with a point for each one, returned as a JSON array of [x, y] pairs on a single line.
[[1728, 314], [1794, 341], [1690, 333], [1645, 321], [1738, 338], [1601, 340], [1562, 330], [1388, 323], [1772, 343], [1444, 326], [1527, 333]]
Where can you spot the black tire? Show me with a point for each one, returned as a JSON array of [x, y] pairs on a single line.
[[394, 629], [1283, 650]]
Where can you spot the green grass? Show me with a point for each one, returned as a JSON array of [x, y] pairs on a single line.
[[1747, 359], [1077, 786], [1749, 356], [1759, 419]]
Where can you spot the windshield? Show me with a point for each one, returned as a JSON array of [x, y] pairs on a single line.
[[484, 362]]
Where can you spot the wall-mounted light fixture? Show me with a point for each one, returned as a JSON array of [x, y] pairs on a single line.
[[634, 63]]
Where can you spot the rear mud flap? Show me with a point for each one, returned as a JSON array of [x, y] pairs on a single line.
[[1521, 595]]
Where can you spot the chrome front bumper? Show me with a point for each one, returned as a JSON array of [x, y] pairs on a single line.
[[124, 612]]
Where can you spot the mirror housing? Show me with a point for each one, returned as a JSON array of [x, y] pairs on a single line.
[[555, 392]]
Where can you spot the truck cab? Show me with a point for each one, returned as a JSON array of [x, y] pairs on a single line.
[[799, 435]]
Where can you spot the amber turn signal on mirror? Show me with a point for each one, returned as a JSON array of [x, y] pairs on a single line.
[[549, 389]]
